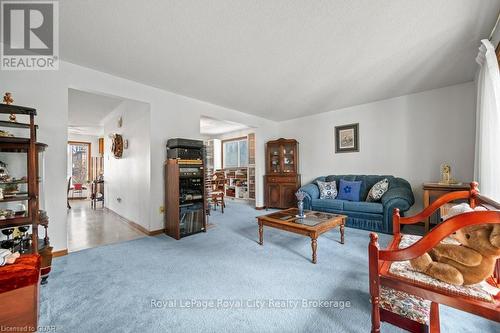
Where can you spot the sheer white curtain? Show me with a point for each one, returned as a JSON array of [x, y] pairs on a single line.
[[487, 159]]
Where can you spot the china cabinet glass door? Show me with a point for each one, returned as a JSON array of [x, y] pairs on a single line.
[[289, 158], [274, 158]]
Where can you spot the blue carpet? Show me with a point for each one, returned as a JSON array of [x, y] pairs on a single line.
[[121, 287]]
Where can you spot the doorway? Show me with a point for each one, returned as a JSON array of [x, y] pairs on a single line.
[[79, 168], [94, 173]]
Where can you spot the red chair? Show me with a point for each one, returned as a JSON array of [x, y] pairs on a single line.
[[19, 299], [386, 272], [78, 188]]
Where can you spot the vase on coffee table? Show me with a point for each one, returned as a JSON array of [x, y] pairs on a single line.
[[300, 203]]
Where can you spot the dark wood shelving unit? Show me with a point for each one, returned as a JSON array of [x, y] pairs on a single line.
[[5, 123], [16, 198], [33, 216], [185, 198], [13, 222]]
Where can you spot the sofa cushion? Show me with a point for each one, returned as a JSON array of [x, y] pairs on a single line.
[[349, 190], [378, 190], [365, 207], [331, 204], [327, 190]]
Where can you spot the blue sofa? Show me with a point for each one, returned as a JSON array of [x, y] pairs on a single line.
[[375, 216]]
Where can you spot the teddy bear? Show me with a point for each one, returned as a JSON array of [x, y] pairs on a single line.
[[470, 262]]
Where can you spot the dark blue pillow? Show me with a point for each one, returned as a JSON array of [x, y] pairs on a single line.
[[349, 190]]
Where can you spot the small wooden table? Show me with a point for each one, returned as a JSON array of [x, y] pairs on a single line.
[[313, 225], [438, 189]]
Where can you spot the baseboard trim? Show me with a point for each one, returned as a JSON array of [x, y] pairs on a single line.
[[60, 253], [136, 225], [260, 207], [156, 232]]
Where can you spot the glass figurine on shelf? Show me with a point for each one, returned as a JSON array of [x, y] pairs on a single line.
[[8, 243], [300, 203], [23, 239], [4, 173]]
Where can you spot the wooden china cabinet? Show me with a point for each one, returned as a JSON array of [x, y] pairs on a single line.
[[282, 179], [22, 203]]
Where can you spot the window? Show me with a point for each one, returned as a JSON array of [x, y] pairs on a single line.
[[235, 153], [79, 162]]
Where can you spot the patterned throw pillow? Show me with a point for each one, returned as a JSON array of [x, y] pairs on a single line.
[[327, 190], [378, 190], [349, 190]]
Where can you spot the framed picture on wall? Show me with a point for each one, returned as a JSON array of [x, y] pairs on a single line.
[[347, 138]]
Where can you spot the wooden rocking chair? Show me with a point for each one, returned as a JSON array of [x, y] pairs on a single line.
[[383, 276]]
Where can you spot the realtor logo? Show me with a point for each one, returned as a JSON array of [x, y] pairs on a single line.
[[29, 35]]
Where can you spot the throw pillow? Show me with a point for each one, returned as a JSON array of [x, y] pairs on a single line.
[[378, 190], [327, 190], [349, 190]]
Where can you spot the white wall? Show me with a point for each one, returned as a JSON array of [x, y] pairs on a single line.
[[408, 136], [127, 180], [92, 139], [171, 115]]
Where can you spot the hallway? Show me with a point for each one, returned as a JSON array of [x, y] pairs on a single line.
[[88, 228]]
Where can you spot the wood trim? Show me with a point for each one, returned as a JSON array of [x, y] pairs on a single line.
[[260, 207], [131, 223], [101, 146], [156, 232], [60, 253], [89, 165]]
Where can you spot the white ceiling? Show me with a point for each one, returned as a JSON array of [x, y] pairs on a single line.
[[88, 109], [280, 59], [212, 126]]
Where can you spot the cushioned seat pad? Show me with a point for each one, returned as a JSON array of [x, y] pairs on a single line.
[[403, 269], [24, 272], [366, 207], [405, 305], [319, 204]]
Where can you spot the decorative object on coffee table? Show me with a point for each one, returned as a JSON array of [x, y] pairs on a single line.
[[347, 138], [313, 225], [300, 204]]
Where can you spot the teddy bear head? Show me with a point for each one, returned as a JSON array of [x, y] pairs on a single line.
[[483, 238]]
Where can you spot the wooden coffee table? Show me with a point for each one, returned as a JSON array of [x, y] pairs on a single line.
[[313, 225]]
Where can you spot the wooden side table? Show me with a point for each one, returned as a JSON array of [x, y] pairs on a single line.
[[438, 189]]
